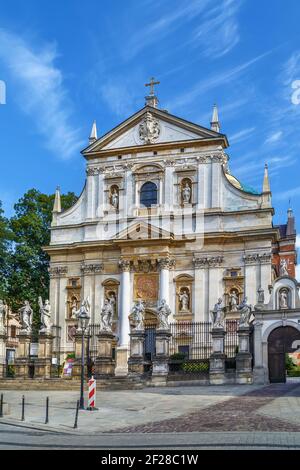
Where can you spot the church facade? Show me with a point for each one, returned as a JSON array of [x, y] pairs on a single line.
[[161, 217]]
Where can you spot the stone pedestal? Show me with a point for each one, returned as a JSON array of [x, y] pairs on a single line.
[[160, 368], [43, 362], [2, 354], [136, 358], [104, 364], [244, 357], [22, 361], [217, 358], [76, 372]]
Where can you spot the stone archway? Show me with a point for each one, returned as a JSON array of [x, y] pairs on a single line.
[[281, 340]]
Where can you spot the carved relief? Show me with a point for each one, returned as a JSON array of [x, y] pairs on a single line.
[[207, 261], [91, 268], [149, 129], [58, 271], [145, 287]]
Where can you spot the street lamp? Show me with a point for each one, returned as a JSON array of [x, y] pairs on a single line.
[[83, 322]]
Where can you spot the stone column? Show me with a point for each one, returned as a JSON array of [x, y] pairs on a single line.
[[165, 265], [43, 362], [252, 267], [217, 358], [136, 359], [161, 359], [244, 357], [2, 354], [23, 355], [260, 374], [123, 347], [76, 373], [104, 364]]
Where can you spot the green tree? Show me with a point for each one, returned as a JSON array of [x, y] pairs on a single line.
[[5, 243], [30, 226]]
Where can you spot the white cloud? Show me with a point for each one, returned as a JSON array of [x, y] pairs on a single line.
[[274, 137], [289, 193], [40, 92], [218, 33], [241, 135]]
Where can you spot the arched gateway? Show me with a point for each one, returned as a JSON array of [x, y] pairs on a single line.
[[281, 341]]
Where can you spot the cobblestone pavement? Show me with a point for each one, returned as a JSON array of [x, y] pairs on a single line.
[[256, 410]]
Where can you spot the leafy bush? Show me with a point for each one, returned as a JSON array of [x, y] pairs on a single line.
[[289, 364], [70, 356], [11, 370], [178, 356]]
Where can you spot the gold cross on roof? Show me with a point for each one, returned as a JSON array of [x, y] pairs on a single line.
[[151, 85]]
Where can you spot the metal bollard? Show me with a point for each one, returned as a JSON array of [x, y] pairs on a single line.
[[76, 415], [1, 406], [23, 408], [47, 411]]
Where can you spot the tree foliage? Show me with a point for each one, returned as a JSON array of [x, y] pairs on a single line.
[[25, 235]]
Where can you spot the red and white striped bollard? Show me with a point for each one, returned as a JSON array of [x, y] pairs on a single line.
[[92, 394]]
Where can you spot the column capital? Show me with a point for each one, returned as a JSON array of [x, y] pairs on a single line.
[[91, 268], [124, 265], [207, 261], [166, 263], [58, 271]]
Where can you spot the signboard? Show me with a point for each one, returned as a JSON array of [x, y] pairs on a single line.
[[34, 348], [68, 367]]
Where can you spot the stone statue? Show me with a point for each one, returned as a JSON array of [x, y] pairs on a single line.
[[245, 313], [26, 314], [233, 301], [283, 299], [163, 312], [45, 315], [186, 193], [73, 308], [138, 312], [115, 199], [283, 268], [83, 311], [217, 315], [184, 300], [3, 311], [106, 316], [260, 295]]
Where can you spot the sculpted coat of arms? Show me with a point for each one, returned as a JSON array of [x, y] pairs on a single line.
[[149, 129]]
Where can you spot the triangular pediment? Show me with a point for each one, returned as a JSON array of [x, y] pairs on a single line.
[[143, 231], [151, 126]]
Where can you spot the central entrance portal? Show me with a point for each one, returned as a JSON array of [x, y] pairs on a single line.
[[281, 341]]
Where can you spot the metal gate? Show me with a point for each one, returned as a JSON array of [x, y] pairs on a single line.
[[281, 341]]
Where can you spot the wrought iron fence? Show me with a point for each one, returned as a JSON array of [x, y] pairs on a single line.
[[56, 368], [231, 338], [191, 340]]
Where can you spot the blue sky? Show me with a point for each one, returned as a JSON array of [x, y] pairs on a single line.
[[68, 63]]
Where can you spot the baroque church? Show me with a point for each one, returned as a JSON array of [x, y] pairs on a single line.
[[162, 217]]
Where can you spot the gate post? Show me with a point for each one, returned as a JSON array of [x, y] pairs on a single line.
[[244, 357], [136, 358], [2, 353], [104, 363], [161, 359], [217, 358], [43, 362], [76, 374], [23, 354]]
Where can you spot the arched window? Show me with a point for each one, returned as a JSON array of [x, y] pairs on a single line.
[[148, 195]]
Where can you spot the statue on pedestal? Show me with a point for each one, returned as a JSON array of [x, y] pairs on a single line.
[[233, 301], [217, 315], [3, 311], [138, 312], [260, 295], [115, 198], [83, 311], [283, 271], [26, 314], [163, 312], [184, 300], [186, 193], [106, 316], [283, 299], [245, 313], [45, 315]]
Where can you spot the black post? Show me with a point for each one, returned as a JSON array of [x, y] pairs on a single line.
[[76, 415], [47, 411], [23, 408], [1, 406], [82, 372]]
